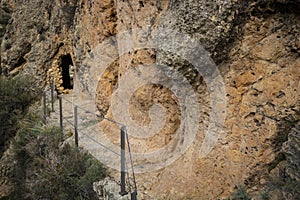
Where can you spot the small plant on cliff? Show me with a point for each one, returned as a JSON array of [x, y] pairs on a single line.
[[265, 195], [240, 194]]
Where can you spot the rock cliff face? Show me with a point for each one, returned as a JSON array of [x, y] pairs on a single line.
[[255, 45], [36, 37]]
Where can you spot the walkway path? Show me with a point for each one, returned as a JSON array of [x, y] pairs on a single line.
[[90, 135]]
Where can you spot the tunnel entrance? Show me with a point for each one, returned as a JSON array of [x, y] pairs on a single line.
[[67, 71]]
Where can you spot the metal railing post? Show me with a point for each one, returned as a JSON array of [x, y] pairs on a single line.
[[133, 195], [122, 138], [60, 114], [76, 126], [52, 96], [45, 106]]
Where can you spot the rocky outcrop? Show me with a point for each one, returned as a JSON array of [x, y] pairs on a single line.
[[282, 181], [5, 14], [254, 44], [291, 150], [34, 36], [263, 99], [213, 23], [109, 189]]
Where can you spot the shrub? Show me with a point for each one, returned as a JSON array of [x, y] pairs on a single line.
[[6, 8], [240, 194], [265, 195], [47, 169], [16, 95]]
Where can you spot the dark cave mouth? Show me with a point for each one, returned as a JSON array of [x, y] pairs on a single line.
[[67, 71]]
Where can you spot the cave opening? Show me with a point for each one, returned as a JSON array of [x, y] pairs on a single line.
[[67, 71]]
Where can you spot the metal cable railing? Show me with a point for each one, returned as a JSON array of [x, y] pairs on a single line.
[[73, 113]]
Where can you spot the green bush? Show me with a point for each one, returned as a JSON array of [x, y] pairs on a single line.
[[47, 169], [16, 95], [6, 8], [41, 165], [4, 19], [265, 195]]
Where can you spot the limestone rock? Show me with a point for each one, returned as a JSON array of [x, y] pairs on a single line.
[[291, 149], [255, 45], [109, 189], [34, 35]]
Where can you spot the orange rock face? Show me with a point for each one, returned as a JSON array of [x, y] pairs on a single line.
[[256, 53], [262, 86]]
